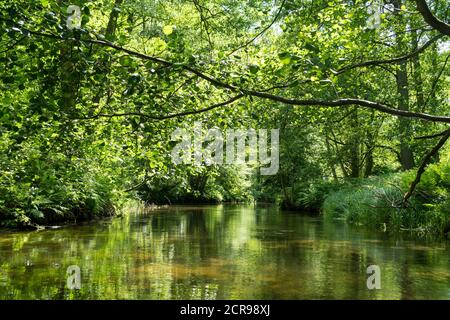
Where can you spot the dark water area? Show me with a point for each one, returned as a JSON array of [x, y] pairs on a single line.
[[221, 252]]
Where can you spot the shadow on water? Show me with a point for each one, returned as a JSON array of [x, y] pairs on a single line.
[[220, 252]]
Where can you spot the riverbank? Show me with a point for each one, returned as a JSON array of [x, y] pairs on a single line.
[[374, 202], [377, 202]]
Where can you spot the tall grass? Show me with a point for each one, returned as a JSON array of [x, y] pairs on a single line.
[[377, 201]]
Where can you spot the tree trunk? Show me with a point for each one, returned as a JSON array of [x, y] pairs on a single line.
[[112, 23], [68, 73], [110, 34], [330, 162], [405, 130], [418, 82], [355, 148]]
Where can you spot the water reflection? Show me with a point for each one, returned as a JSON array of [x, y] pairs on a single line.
[[220, 252]]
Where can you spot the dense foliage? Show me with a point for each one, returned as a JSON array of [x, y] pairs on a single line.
[[359, 90]]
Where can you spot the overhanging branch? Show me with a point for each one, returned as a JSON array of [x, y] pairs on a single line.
[[431, 19], [170, 116], [440, 134], [389, 61], [424, 164], [290, 101]]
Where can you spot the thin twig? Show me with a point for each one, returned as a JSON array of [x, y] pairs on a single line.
[[261, 32]]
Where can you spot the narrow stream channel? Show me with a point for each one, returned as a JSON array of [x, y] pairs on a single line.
[[221, 252]]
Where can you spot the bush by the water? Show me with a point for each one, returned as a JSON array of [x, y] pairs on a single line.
[[377, 201]]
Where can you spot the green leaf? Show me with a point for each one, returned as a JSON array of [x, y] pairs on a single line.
[[253, 68], [125, 61], [168, 30], [285, 57]]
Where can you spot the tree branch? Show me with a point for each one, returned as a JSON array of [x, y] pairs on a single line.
[[262, 31], [429, 18], [388, 61], [432, 136], [204, 22], [435, 82], [170, 116], [11, 46], [390, 149], [424, 164], [220, 84], [349, 102]]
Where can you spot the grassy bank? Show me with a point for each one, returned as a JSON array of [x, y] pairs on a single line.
[[376, 201]]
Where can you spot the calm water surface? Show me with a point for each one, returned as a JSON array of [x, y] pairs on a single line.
[[220, 252]]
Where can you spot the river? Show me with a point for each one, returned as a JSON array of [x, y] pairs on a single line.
[[221, 252]]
